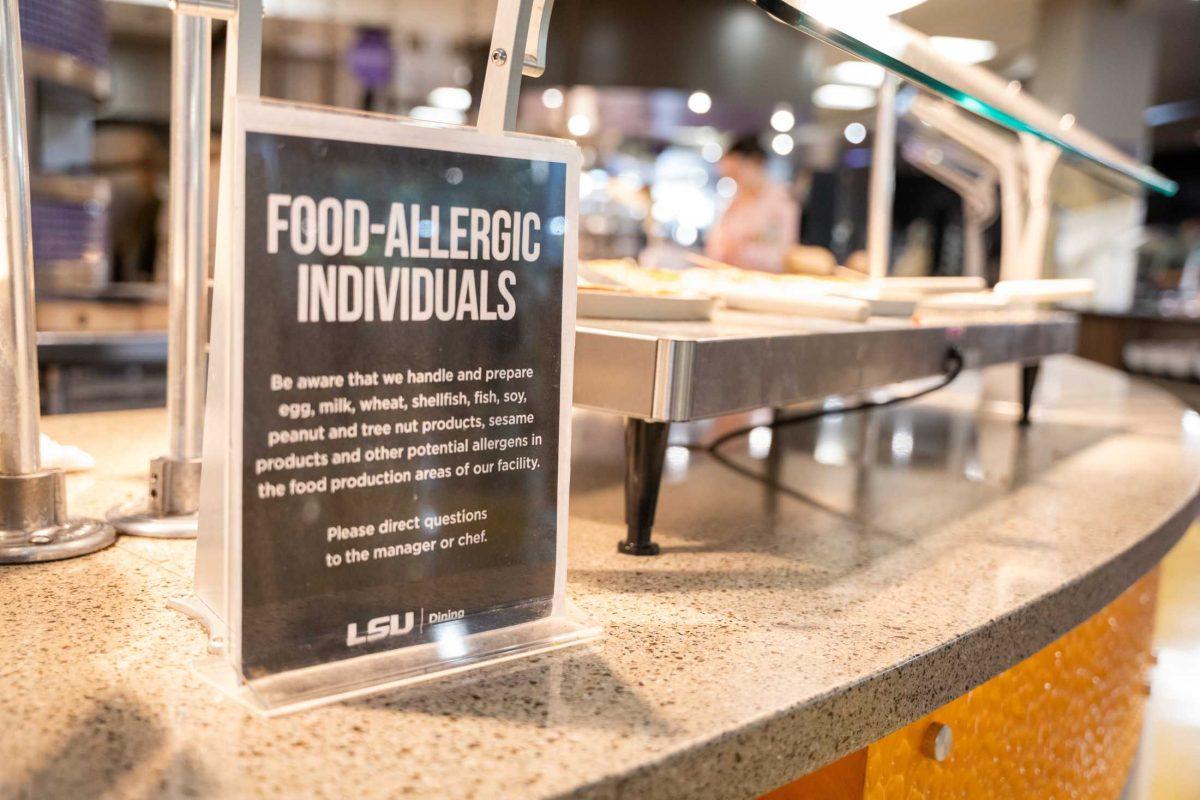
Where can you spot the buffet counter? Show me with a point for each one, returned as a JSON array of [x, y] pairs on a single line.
[[892, 563]]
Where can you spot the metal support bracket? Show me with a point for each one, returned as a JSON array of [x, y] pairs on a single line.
[[522, 26], [1040, 159], [1025, 168], [974, 181], [170, 511], [34, 525], [536, 41], [1003, 154]]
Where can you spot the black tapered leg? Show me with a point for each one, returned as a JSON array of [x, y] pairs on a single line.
[[1029, 376], [645, 447]]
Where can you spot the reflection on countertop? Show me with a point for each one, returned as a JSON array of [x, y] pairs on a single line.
[[910, 554]]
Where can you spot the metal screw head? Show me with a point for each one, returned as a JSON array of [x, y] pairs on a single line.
[[937, 741], [499, 56]]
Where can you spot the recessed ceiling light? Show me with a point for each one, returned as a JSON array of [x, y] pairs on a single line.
[[782, 144], [856, 73], [841, 97], [699, 102], [552, 98], [783, 120], [965, 51], [855, 133]]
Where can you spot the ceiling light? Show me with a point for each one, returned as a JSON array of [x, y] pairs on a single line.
[[842, 97], [579, 125], [855, 133], [856, 73], [699, 102], [965, 51], [782, 144], [783, 120], [552, 98], [452, 97]]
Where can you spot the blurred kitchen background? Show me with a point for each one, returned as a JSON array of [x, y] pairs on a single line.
[[654, 93]]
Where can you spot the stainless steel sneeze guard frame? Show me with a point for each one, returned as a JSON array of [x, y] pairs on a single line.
[[681, 371]]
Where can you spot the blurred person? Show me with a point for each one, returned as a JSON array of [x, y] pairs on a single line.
[[762, 221]]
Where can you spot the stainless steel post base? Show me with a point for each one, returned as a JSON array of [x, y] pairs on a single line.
[[34, 525], [170, 512]]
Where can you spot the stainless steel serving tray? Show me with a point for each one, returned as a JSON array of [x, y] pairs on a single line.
[[680, 371]]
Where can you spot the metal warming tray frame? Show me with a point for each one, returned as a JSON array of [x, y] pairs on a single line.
[[658, 373]]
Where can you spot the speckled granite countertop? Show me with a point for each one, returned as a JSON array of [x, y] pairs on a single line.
[[923, 550]]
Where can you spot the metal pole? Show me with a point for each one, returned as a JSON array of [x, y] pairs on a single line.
[[883, 180], [33, 503], [189, 225], [171, 509], [18, 349]]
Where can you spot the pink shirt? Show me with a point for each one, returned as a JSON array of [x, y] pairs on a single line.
[[756, 232]]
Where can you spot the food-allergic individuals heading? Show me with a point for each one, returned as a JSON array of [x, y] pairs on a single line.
[[318, 229]]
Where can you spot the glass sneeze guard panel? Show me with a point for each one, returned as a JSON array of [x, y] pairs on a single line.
[[909, 54]]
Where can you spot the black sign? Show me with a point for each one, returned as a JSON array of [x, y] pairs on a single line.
[[403, 328]]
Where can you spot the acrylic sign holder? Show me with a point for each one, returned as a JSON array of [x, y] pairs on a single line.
[[218, 588]]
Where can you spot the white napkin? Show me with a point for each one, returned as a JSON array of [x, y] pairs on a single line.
[[64, 456]]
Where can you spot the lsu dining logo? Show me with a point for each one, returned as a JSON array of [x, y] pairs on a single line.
[[384, 627]]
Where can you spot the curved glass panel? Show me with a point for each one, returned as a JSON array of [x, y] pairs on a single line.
[[908, 54]]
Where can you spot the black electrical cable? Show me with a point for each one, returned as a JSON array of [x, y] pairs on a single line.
[[953, 366]]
